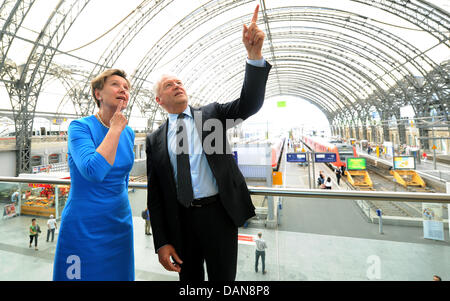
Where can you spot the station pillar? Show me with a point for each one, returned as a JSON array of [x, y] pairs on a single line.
[[364, 132], [374, 131], [386, 133], [424, 143], [356, 129], [402, 133]]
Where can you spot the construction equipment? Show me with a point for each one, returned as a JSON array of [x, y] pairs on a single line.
[[408, 178], [359, 178]]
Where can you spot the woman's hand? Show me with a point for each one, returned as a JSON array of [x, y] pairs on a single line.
[[118, 121]]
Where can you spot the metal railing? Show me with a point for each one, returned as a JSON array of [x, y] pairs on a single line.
[[419, 197]]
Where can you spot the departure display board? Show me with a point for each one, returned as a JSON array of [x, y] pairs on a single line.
[[404, 162], [356, 164]]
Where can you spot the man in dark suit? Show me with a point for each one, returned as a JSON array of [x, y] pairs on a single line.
[[197, 196]]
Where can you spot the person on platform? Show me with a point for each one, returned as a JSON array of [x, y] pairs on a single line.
[[146, 218], [52, 226], [338, 175], [15, 197], [261, 247], [328, 183], [34, 233], [424, 156], [95, 240], [197, 196], [321, 180]]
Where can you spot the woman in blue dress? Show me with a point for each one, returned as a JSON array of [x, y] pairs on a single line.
[[95, 240]]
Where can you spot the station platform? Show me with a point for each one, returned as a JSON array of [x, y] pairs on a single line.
[[445, 159], [315, 240], [424, 167]]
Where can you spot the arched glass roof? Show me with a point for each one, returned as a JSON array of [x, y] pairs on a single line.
[[347, 57]]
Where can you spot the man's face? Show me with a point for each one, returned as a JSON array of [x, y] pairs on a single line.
[[172, 96]]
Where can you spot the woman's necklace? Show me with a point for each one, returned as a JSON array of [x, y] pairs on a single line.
[[101, 121]]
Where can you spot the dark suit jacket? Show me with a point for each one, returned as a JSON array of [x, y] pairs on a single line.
[[234, 195]]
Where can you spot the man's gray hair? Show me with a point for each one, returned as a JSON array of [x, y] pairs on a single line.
[[158, 82]]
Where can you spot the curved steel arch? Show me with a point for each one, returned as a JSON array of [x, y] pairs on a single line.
[[24, 90], [202, 14], [129, 31], [325, 105], [409, 12], [24, 87], [226, 84], [381, 4], [16, 15], [432, 19], [378, 32], [291, 76], [303, 94]]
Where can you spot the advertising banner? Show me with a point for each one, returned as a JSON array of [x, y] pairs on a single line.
[[356, 164], [9, 211], [433, 225], [404, 162]]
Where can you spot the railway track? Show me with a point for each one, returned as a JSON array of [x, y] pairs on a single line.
[[383, 181]]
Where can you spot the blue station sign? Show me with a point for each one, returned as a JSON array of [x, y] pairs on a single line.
[[296, 157], [324, 157]]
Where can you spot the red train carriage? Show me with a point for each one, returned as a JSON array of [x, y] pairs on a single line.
[[342, 150], [277, 149]]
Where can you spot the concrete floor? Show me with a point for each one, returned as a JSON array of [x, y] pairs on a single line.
[[316, 240]]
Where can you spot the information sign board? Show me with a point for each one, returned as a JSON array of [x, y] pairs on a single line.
[[404, 162], [356, 164]]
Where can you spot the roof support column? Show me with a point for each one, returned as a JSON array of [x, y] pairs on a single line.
[[374, 133]]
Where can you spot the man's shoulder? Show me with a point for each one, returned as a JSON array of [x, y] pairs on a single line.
[[210, 107], [155, 133]]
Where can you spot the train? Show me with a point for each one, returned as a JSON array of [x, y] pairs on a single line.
[[341, 149], [277, 146]]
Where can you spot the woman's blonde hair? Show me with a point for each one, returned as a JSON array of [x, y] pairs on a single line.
[[99, 81]]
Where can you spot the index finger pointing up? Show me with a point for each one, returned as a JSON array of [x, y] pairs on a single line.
[[255, 14]]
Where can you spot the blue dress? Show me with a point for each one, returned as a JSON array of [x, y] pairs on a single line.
[[95, 239]]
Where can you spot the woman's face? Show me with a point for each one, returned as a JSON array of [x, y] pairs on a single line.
[[115, 89]]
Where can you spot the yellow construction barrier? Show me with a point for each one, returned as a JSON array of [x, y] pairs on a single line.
[[408, 178], [359, 178]]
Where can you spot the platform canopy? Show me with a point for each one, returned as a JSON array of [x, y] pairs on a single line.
[[353, 59]]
